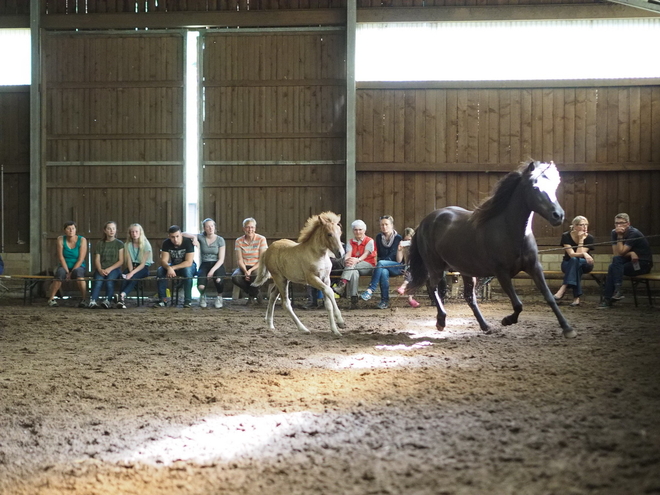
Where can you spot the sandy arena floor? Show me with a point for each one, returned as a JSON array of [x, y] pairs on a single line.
[[173, 401]]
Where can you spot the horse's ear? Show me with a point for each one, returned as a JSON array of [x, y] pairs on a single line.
[[531, 167]]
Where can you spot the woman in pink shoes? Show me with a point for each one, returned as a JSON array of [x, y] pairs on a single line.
[[404, 247]]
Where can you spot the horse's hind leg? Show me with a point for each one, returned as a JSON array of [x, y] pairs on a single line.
[[286, 304], [270, 310], [471, 299], [438, 296]]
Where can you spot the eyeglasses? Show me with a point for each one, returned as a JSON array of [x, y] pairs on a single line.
[[622, 222], [582, 225]]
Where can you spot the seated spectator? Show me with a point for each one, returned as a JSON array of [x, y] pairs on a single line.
[[360, 259], [632, 256], [71, 254], [249, 249], [404, 247], [212, 255], [176, 260], [389, 262], [139, 257], [108, 260], [578, 244]]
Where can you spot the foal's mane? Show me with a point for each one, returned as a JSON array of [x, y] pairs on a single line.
[[499, 199], [316, 221]]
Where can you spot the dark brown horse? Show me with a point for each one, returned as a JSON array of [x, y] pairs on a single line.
[[494, 240]]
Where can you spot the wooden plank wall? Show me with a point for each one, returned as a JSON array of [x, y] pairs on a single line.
[[113, 111], [131, 6], [14, 7], [15, 161], [274, 130], [418, 150]]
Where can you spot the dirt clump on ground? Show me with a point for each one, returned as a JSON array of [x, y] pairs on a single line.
[[197, 401]]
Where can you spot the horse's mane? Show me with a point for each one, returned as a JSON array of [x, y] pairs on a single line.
[[315, 222], [499, 199]]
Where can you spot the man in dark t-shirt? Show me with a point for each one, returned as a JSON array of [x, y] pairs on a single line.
[[632, 256], [176, 260]]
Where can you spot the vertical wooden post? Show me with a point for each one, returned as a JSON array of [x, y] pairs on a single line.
[[351, 24], [37, 240]]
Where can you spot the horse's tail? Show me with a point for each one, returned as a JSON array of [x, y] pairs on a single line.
[[417, 268], [262, 272]]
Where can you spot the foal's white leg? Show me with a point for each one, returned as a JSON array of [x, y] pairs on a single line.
[[286, 304], [333, 310], [272, 298]]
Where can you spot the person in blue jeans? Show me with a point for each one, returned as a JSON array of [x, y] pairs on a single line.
[[390, 259], [578, 245], [632, 256], [108, 260], [176, 260], [139, 257]]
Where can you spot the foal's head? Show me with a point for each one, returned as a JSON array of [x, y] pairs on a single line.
[[324, 229]]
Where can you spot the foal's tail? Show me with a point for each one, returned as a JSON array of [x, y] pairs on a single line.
[[262, 273], [417, 268]]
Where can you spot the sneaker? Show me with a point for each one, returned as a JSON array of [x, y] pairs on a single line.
[[618, 295], [413, 303], [106, 304], [187, 304], [202, 301], [120, 304], [383, 305], [605, 304], [52, 303], [366, 295], [93, 305], [339, 287], [218, 302], [83, 304], [160, 304]]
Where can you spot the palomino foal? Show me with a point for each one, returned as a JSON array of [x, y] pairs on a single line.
[[304, 262]]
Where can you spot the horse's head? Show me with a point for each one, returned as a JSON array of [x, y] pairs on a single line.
[[326, 229], [544, 179]]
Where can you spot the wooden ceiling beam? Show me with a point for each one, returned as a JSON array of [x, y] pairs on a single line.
[[501, 13], [197, 20]]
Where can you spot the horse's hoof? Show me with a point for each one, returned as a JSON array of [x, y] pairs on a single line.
[[570, 334], [489, 330], [506, 321], [341, 325], [440, 328]]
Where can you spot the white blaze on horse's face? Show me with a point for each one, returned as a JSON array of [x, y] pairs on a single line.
[[546, 179]]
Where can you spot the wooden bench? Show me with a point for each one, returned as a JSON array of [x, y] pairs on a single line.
[[646, 280]]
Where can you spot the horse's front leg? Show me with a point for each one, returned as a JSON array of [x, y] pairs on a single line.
[[286, 304], [334, 314], [541, 284], [507, 286], [471, 299]]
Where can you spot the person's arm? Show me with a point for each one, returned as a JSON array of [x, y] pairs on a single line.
[[119, 263], [399, 250], [262, 249], [97, 263], [143, 262], [187, 261], [60, 253], [193, 237], [240, 261], [220, 262]]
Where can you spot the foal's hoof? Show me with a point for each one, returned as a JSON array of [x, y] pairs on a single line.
[[341, 325], [570, 333]]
